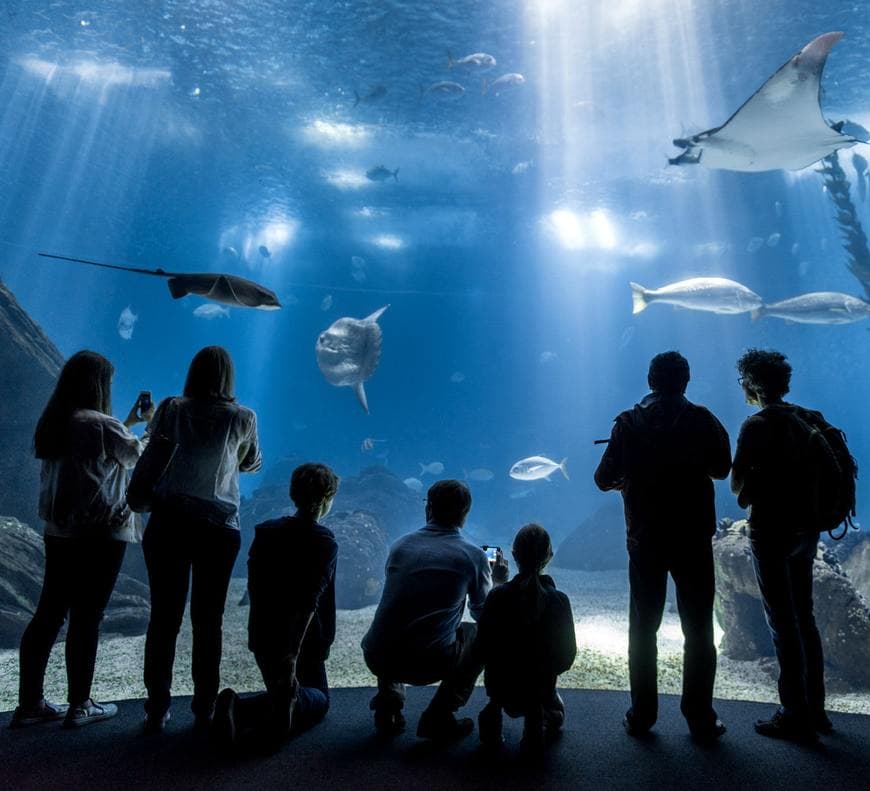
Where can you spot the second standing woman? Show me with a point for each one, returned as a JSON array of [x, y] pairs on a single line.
[[193, 532]]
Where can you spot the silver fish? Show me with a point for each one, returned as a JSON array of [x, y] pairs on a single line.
[[713, 294], [374, 94], [818, 307], [380, 173], [534, 468], [227, 289], [477, 60], [503, 83], [348, 352], [443, 88], [433, 468]]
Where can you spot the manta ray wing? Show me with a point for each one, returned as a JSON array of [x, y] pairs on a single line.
[[780, 126]]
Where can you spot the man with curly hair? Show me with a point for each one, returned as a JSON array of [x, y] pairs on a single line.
[[774, 476]]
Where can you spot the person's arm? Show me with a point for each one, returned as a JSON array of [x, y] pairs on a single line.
[[249, 451], [719, 459], [120, 444], [480, 587], [744, 469], [611, 471], [564, 639]]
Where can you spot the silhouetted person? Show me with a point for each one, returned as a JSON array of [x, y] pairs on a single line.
[[193, 531], [525, 639], [86, 458], [772, 476], [662, 456], [417, 635], [291, 625]]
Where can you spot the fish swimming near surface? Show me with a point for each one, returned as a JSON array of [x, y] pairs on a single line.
[[780, 127], [380, 173], [503, 83], [534, 468], [374, 94], [477, 60], [443, 88], [860, 165], [712, 294], [226, 289], [818, 307], [348, 352], [433, 468]]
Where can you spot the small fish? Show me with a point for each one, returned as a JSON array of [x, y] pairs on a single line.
[[777, 207], [480, 474], [374, 94], [369, 443], [819, 307], [503, 83], [860, 165], [212, 312], [126, 322], [803, 268], [626, 337], [546, 357], [713, 294], [264, 251], [755, 244], [477, 60], [457, 377], [357, 262], [326, 302], [522, 167], [534, 468], [443, 88], [795, 248], [230, 253], [433, 468], [521, 494], [414, 484], [380, 173], [359, 275], [773, 239]]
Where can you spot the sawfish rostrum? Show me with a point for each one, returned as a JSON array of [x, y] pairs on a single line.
[[349, 352], [779, 127]]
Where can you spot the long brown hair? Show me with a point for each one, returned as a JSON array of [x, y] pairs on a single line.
[[532, 551], [211, 376], [85, 382]]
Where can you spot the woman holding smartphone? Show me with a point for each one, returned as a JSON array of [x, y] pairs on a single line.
[[193, 537], [86, 458]]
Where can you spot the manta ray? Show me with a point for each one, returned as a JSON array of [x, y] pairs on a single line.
[[349, 352], [779, 127], [226, 289]]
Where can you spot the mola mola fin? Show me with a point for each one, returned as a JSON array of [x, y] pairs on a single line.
[[779, 127]]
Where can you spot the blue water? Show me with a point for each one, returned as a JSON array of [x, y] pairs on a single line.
[[162, 134]]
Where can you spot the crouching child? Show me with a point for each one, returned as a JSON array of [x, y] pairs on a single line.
[[291, 624], [526, 639]]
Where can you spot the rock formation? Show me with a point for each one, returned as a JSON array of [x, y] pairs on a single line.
[[362, 553], [853, 555], [30, 363], [598, 544], [22, 561], [842, 616]]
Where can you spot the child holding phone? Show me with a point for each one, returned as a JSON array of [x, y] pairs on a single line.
[[526, 639]]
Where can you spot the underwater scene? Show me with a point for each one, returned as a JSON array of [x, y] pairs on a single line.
[[440, 240]]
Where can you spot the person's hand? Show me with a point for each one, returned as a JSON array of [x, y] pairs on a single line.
[[500, 569], [135, 416]]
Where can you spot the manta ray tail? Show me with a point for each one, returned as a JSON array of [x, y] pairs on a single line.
[[360, 391], [639, 300]]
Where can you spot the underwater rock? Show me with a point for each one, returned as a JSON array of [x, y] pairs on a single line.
[[22, 561], [362, 553], [853, 554], [30, 363], [598, 544], [842, 617]]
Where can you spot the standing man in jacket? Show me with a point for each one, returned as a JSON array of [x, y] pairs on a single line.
[[662, 455]]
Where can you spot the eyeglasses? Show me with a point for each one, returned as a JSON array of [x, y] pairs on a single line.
[[741, 380]]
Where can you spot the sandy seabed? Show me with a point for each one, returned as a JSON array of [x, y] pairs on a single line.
[[599, 601]]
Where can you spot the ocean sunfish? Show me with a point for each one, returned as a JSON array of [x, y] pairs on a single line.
[[349, 352], [819, 307], [779, 127], [226, 289], [712, 294]]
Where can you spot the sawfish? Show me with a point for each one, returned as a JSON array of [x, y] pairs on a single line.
[[226, 289], [780, 127]]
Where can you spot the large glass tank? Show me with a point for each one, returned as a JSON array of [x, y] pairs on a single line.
[[350, 156]]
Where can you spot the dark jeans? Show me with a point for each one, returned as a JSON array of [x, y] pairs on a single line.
[[692, 570], [80, 574], [784, 570], [176, 551], [267, 715], [457, 671]]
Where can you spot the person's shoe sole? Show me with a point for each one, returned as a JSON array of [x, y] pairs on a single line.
[[109, 710]]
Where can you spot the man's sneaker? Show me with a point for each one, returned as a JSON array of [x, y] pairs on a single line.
[[786, 726], [155, 723], [223, 723], [389, 722], [822, 723], [708, 733], [489, 725], [554, 716], [88, 712], [635, 726], [442, 726], [42, 712]]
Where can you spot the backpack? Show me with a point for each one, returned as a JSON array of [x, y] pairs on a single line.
[[834, 484]]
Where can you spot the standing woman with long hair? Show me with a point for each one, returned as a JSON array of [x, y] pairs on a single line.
[[86, 458], [193, 536]]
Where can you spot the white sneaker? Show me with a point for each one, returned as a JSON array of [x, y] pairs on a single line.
[[88, 712]]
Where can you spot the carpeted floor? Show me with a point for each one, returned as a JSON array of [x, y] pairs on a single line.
[[344, 753]]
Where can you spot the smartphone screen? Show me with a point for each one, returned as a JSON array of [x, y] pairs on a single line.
[[144, 401], [491, 553]]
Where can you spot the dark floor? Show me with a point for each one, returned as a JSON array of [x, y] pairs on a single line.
[[344, 753]]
